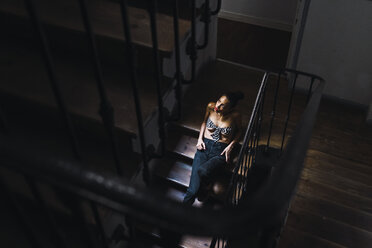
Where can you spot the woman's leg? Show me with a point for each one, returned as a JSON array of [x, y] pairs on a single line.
[[199, 158], [207, 169]]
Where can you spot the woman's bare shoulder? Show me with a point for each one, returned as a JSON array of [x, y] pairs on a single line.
[[211, 105]]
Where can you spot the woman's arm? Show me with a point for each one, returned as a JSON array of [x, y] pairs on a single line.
[[238, 132], [200, 145]]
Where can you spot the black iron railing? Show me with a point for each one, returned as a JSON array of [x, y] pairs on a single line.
[[256, 154], [106, 110], [74, 184]]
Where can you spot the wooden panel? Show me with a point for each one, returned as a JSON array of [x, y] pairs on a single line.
[[252, 45]]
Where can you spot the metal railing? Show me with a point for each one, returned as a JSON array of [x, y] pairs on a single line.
[[106, 110], [75, 185], [241, 186]]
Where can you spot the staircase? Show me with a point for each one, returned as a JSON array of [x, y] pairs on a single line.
[[105, 174]]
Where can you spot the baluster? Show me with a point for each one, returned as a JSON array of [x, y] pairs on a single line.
[[26, 225], [274, 109], [191, 49], [56, 234], [106, 110], [154, 36], [98, 221], [245, 163], [213, 243], [48, 60], [238, 187], [218, 8], [310, 89], [178, 59], [206, 18], [248, 164], [133, 76], [259, 120], [289, 111]]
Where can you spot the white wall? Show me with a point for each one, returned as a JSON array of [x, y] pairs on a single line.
[[273, 13], [337, 45]]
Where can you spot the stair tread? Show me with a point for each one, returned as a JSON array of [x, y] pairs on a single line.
[[176, 194], [173, 170], [187, 241], [24, 72], [106, 20], [182, 144]]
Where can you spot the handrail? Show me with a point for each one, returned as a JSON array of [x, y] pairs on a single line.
[[248, 132], [143, 204]]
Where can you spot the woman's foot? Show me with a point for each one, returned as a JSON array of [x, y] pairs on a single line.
[[204, 192]]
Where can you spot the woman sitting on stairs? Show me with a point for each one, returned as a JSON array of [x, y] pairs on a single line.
[[219, 132]]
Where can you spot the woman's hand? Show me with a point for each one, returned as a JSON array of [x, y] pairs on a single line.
[[227, 152], [200, 145]]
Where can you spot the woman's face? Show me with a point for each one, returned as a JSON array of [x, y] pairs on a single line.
[[222, 105]]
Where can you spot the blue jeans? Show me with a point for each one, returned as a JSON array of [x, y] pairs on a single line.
[[206, 163]]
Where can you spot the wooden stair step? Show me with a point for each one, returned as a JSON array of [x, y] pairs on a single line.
[[329, 229], [166, 7], [172, 170], [105, 18], [187, 241], [179, 173], [182, 141], [25, 76], [183, 145], [333, 210], [294, 238]]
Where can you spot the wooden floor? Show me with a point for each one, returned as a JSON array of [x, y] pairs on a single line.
[[333, 203]]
